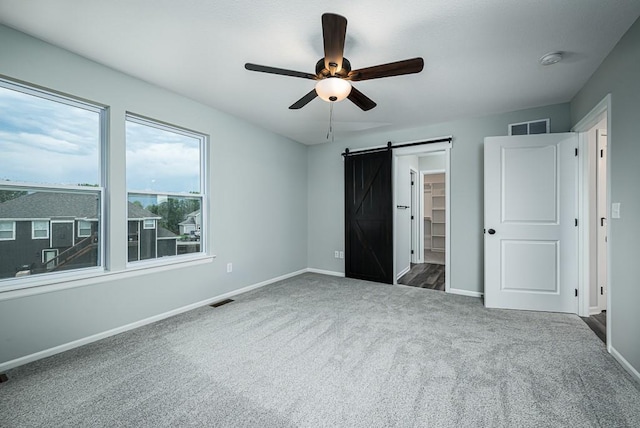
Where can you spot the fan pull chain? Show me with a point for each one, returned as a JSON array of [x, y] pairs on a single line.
[[330, 131]]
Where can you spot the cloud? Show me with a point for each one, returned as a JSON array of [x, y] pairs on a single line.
[[163, 161], [44, 141]]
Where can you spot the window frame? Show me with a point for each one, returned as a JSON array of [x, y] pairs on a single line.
[[203, 195], [33, 229], [146, 226], [13, 230], [49, 278], [49, 250], [80, 234]]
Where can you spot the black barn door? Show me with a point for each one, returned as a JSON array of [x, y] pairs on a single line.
[[368, 217]]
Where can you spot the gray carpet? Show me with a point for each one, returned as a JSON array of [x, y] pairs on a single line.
[[318, 351]]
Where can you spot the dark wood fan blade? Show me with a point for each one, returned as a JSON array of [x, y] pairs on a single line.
[[361, 100], [304, 100], [334, 31], [408, 66], [280, 71]]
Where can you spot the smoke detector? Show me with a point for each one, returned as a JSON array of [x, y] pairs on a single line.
[[550, 58]]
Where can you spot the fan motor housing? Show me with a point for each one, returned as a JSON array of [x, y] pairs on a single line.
[[322, 72]]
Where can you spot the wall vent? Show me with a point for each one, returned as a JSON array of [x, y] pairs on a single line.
[[223, 302], [529, 128]]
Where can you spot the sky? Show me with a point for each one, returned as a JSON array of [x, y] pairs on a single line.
[[43, 141]]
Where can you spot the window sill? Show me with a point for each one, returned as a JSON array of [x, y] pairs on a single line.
[[81, 279]]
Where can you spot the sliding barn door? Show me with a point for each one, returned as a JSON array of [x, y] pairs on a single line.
[[369, 217]]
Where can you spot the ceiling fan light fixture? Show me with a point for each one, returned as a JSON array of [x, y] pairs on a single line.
[[333, 89]]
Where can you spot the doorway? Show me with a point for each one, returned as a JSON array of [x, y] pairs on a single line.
[[421, 215], [595, 256], [378, 205]]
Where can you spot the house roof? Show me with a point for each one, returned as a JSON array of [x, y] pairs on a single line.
[[136, 212], [165, 233], [52, 205], [48, 205], [188, 221], [191, 219]]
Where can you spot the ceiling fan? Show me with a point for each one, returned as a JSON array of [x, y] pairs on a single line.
[[333, 72]]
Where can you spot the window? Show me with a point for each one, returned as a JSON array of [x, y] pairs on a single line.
[[51, 168], [84, 229], [49, 257], [166, 190], [39, 229], [7, 230], [529, 128]]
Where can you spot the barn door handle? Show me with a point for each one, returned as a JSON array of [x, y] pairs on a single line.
[[402, 207], [492, 232]]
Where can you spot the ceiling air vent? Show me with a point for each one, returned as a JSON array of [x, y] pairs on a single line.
[[528, 128]]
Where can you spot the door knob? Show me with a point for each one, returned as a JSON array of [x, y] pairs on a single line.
[[492, 232]]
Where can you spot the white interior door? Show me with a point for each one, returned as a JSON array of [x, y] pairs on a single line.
[[602, 219], [531, 238]]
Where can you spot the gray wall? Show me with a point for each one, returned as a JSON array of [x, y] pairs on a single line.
[[326, 192], [619, 75], [433, 162], [249, 168]]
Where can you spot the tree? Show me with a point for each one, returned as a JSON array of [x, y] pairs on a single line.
[[173, 212], [7, 195]]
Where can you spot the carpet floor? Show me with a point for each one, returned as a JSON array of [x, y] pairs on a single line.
[[319, 351]]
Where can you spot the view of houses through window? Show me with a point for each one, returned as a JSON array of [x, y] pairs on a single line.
[[51, 195], [50, 199], [164, 180]]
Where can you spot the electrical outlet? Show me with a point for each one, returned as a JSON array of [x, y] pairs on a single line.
[[229, 267], [342, 254], [336, 254]]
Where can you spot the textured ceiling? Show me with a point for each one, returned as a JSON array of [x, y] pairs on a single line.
[[481, 56]]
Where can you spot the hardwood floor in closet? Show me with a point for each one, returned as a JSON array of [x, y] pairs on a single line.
[[424, 275]]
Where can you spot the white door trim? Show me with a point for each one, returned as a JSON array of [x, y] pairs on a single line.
[[601, 110], [415, 211], [417, 150]]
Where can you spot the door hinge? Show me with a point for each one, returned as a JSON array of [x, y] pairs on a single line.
[[411, 217], [601, 153], [412, 183], [576, 222], [601, 291], [411, 251], [576, 292], [576, 151]]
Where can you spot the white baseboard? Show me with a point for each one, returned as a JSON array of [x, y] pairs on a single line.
[[594, 310], [404, 271], [465, 292], [325, 272], [93, 338], [624, 363]]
